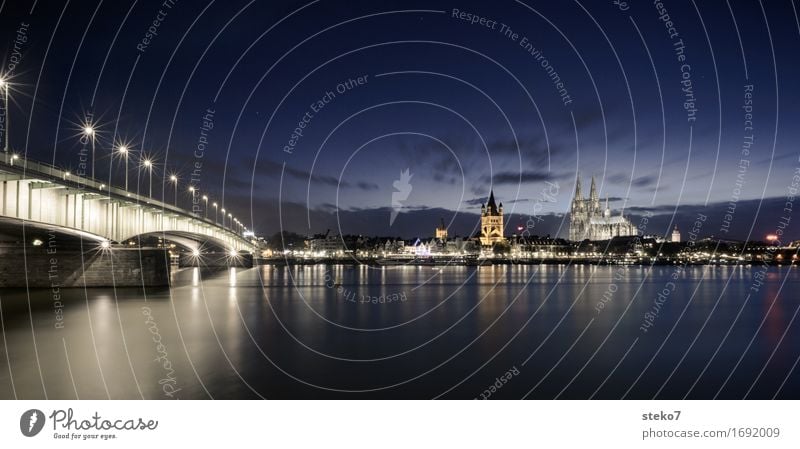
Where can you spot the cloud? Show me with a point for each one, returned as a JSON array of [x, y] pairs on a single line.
[[520, 177], [475, 201], [266, 167], [367, 185], [644, 181], [641, 182]]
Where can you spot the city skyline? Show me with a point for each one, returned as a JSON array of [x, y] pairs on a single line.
[[466, 107]]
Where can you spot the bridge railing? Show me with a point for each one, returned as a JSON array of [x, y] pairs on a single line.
[[30, 169]]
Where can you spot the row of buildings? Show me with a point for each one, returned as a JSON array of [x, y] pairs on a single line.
[[588, 221], [596, 234]]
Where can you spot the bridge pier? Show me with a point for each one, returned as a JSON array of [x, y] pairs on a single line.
[[51, 266]]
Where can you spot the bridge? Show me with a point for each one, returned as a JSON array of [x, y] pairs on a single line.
[[34, 192]]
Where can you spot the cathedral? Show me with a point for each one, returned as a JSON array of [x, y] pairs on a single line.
[[491, 222], [588, 221]]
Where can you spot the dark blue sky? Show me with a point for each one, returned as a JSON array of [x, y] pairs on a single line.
[[464, 107]]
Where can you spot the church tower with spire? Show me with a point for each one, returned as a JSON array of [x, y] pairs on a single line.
[[441, 231], [491, 222]]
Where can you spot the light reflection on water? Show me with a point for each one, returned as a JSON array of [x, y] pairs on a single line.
[[226, 336]]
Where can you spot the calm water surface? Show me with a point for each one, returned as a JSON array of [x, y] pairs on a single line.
[[322, 332]]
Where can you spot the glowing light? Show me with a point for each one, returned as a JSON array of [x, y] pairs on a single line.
[[195, 253], [105, 244], [88, 130], [173, 178], [215, 205], [233, 253], [205, 198], [148, 163], [37, 242], [123, 149], [772, 237], [15, 157]]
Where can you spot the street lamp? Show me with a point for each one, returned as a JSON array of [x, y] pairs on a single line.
[[205, 208], [215, 213], [149, 166], [192, 190], [14, 158], [88, 131], [4, 86], [123, 150], [230, 221], [174, 180], [223, 218]]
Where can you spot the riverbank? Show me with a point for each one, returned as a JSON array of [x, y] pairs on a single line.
[[461, 261]]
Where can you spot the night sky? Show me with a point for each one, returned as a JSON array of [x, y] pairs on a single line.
[[655, 109]]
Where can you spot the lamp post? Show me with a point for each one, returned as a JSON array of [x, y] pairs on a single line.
[[215, 213], [149, 166], [205, 207], [174, 180], [123, 150], [230, 222], [14, 157], [88, 131], [223, 218], [191, 189], [4, 86]]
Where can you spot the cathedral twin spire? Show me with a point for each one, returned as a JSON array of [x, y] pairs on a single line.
[[593, 202], [593, 195]]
